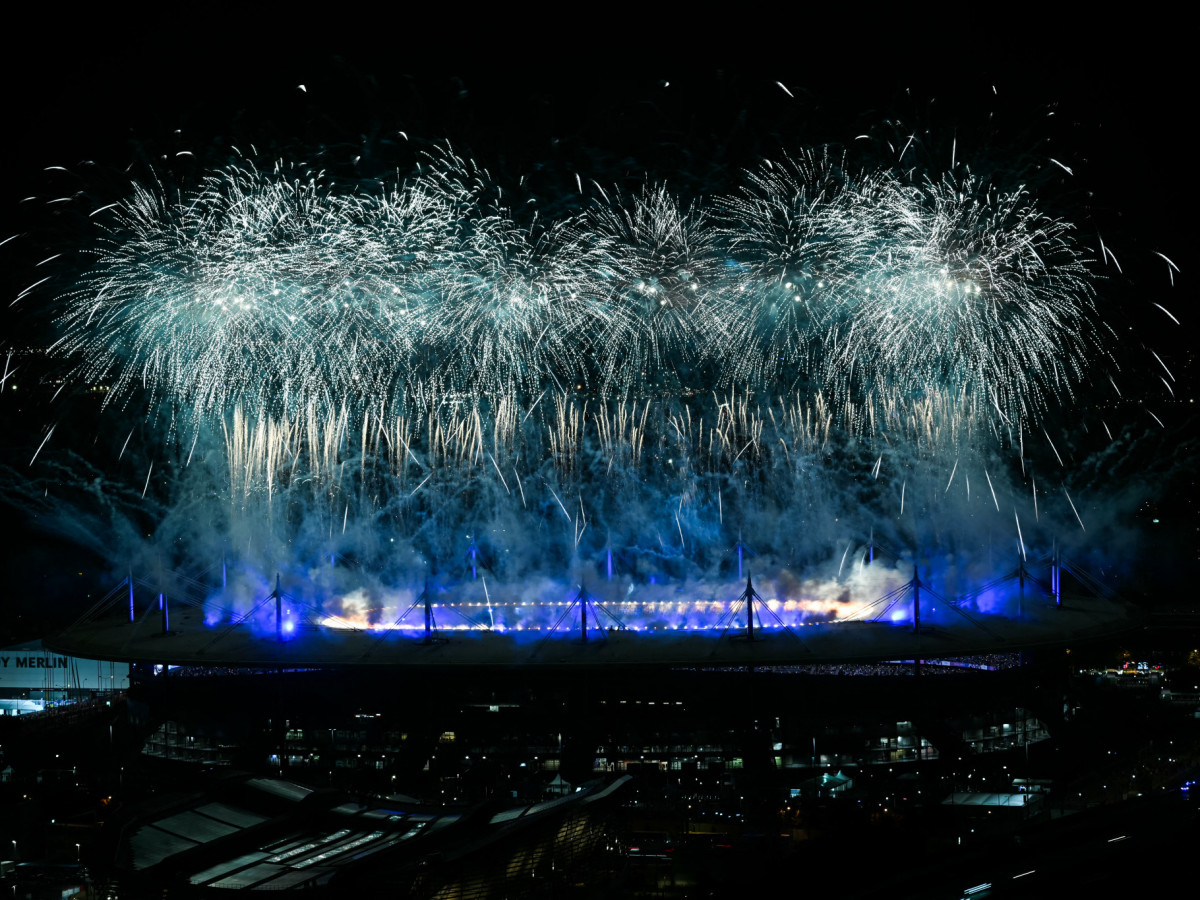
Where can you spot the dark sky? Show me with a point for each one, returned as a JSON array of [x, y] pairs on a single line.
[[120, 98]]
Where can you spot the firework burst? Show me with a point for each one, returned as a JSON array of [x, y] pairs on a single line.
[[978, 295], [425, 361]]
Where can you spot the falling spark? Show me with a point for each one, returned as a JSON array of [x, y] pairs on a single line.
[[126, 444], [25, 293], [1163, 364], [501, 474], [1055, 449], [42, 444], [560, 504], [1171, 267], [1073, 509], [1107, 254], [992, 489], [1167, 311], [520, 486], [488, 598]]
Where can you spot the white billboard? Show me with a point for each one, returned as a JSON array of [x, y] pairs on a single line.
[[30, 666]]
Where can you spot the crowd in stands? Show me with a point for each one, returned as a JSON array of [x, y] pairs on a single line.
[[983, 662]]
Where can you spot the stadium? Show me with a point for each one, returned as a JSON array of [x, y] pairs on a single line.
[[413, 407]]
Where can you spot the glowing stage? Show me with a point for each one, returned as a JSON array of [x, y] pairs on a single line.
[[583, 631]]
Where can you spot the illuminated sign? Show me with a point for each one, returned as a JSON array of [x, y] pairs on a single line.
[[33, 667], [29, 661]]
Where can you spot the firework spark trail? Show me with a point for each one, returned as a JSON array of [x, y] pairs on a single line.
[[1168, 312], [8, 372], [42, 444], [1171, 267], [1107, 254], [951, 481], [992, 489], [1073, 509], [1055, 449], [1163, 364]]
